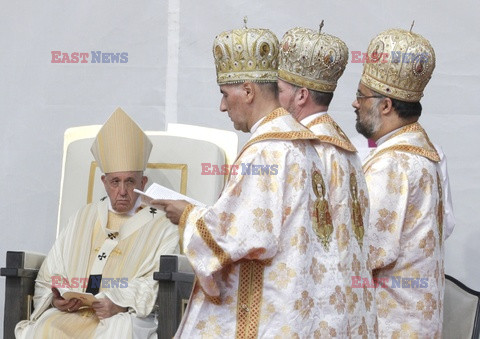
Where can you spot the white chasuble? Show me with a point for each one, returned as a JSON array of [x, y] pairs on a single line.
[[348, 198], [127, 274], [406, 224], [265, 255]]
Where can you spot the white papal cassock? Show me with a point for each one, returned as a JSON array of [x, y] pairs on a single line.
[[406, 222], [348, 198], [142, 238], [265, 255]]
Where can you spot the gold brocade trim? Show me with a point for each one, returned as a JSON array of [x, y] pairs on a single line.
[[378, 85], [222, 256], [336, 142], [408, 149], [302, 82], [341, 140], [182, 222], [294, 135], [197, 287], [440, 210], [279, 112], [289, 135], [232, 78], [213, 300], [250, 290], [356, 211], [182, 167], [416, 127], [322, 219], [413, 127]]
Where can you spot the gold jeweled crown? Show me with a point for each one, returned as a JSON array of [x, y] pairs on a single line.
[[247, 54], [399, 64], [312, 59]]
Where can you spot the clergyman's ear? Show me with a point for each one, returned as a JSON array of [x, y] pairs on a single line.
[[249, 90], [302, 95], [386, 105]]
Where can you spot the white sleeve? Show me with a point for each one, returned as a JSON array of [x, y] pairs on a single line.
[[449, 217]]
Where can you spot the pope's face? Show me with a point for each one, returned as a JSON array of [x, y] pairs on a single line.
[[120, 186], [233, 99]]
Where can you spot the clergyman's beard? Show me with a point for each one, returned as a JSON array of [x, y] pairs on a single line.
[[370, 124]]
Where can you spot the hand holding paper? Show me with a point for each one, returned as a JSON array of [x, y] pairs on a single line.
[[173, 208], [69, 301], [159, 192], [173, 203]]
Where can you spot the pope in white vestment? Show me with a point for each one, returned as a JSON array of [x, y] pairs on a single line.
[[142, 238], [110, 248]]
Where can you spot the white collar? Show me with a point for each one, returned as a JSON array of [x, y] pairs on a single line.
[[255, 126], [129, 213], [305, 121], [385, 137]]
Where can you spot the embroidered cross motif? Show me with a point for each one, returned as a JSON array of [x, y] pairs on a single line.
[[102, 256], [113, 235], [153, 211]]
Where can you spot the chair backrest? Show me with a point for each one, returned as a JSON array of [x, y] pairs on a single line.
[[175, 162], [226, 139], [461, 314]]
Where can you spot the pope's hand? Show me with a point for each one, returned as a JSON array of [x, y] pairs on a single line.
[[105, 308], [71, 305], [173, 208]]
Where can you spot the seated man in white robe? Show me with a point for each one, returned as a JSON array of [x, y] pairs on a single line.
[[110, 248]]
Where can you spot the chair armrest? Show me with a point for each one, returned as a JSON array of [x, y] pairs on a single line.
[[461, 314], [22, 264], [20, 273], [174, 268], [175, 282]]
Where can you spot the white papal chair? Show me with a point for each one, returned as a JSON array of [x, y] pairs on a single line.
[[175, 162]]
